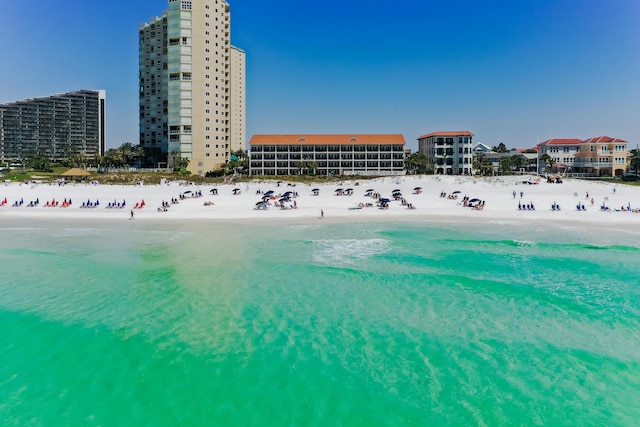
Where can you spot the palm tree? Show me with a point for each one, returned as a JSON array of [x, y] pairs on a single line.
[[302, 166], [546, 158], [482, 165], [174, 155], [313, 165], [505, 165], [635, 160], [416, 163], [139, 152], [519, 161], [125, 152], [111, 157]]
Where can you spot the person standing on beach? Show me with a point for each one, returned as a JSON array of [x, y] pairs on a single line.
[[514, 194], [132, 215], [321, 214]]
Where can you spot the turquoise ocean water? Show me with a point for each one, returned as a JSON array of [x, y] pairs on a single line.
[[365, 324]]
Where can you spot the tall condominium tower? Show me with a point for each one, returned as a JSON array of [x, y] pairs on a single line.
[[192, 85]]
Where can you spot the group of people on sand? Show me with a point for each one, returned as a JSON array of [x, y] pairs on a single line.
[[451, 196]]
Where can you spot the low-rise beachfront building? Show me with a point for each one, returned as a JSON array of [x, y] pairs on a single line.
[[599, 156], [56, 126], [451, 152], [351, 154], [602, 156], [561, 150]]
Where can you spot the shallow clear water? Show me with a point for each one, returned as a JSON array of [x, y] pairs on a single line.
[[329, 324]]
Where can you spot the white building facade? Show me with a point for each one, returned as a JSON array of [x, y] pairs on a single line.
[[192, 85], [450, 152]]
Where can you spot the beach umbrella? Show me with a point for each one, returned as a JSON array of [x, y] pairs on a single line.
[[456, 192], [69, 201], [97, 202], [338, 190], [188, 192], [268, 193], [418, 188], [384, 200], [474, 200], [349, 189], [396, 191], [371, 190], [236, 190]]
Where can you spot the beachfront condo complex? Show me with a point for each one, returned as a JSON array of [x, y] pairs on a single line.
[[57, 126], [451, 152], [192, 85], [367, 154], [592, 157]]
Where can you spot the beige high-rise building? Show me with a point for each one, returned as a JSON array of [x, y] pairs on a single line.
[[192, 85]]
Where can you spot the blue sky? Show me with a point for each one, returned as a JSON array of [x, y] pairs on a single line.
[[512, 71]]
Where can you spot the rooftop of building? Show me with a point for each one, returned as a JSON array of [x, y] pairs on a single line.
[[575, 141], [603, 139], [447, 133], [561, 141], [327, 139]]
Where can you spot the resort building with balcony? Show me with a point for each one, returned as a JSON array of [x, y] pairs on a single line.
[[602, 156], [352, 154], [598, 156], [561, 150], [56, 126], [451, 152]]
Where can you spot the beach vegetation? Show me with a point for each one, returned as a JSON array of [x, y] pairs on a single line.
[[216, 173], [125, 150], [418, 164], [500, 148], [634, 163], [482, 165], [39, 163], [238, 162], [547, 161]]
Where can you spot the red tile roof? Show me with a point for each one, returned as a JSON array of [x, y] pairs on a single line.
[[447, 133], [561, 141], [322, 139], [603, 139]]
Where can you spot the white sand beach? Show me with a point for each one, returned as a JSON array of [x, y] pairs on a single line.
[[497, 193]]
